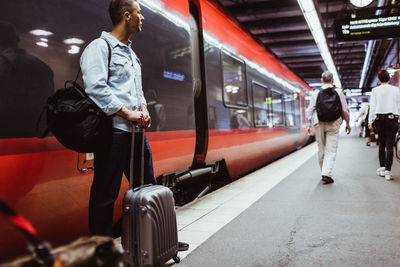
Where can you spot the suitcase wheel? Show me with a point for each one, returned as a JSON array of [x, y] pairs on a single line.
[[176, 259]]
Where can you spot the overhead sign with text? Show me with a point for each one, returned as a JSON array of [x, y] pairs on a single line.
[[367, 28]]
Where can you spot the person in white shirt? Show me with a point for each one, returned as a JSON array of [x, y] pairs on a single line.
[[363, 117], [385, 110]]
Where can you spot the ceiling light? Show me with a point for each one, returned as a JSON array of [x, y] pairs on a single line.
[[315, 84], [39, 32], [42, 44], [74, 49], [319, 36], [73, 40], [312, 18], [306, 5]]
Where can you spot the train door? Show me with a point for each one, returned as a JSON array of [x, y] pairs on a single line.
[[199, 85]]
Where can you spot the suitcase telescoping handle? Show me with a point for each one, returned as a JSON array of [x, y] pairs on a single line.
[[140, 132]]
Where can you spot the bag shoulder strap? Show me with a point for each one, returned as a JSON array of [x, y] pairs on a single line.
[[109, 61], [109, 51], [339, 101]]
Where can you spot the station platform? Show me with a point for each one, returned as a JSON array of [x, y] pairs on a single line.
[[282, 214]]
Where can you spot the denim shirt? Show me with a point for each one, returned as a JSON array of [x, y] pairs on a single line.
[[117, 86]]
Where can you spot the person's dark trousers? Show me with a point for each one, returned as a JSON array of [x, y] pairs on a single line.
[[367, 130], [111, 160], [387, 129]]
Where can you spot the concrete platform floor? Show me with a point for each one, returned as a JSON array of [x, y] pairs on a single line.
[[282, 215]]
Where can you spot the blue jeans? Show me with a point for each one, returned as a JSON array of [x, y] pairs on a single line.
[[111, 160]]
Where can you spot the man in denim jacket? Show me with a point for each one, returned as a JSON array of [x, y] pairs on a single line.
[[117, 89]]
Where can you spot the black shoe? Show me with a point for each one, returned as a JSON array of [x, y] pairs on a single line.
[[182, 246], [327, 179]]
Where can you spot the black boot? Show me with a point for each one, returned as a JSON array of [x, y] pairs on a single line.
[[327, 179], [182, 246]]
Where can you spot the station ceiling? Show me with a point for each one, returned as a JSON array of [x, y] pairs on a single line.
[[280, 26]]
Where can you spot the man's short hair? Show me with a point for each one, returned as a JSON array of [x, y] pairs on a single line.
[[327, 76], [117, 9], [383, 76], [9, 37]]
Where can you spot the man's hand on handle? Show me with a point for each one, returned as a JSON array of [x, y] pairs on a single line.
[[146, 117], [142, 118]]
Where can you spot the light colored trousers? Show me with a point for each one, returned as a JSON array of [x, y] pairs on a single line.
[[327, 135]]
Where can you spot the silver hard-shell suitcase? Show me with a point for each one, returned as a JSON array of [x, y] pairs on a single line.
[[149, 228]]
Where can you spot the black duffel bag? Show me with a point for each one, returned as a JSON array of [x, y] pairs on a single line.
[[74, 119]]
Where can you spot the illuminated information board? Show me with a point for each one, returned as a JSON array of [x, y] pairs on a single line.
[[367, 28]]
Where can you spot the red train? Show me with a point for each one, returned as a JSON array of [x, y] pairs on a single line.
[[219, 101]]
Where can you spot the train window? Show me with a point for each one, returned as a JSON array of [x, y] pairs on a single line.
[[239, 119], [262, 105], [234, 81], [292, 109], [277, 108], [297, 110], [307, 100], [22, 96]]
